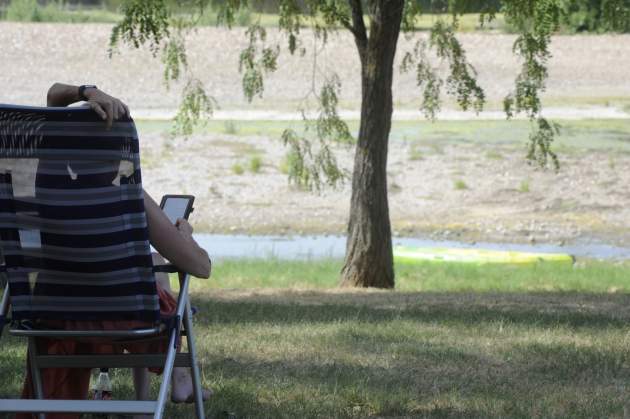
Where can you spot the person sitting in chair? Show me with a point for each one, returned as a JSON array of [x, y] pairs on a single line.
[[174, 242]]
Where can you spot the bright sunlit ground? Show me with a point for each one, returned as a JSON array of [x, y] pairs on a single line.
[[278, 340]]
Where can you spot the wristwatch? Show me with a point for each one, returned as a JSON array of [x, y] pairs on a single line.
[[82, 90]]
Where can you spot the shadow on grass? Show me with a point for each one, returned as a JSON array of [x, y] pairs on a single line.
[[433, 384], [351, 354], [369, 362], [571, 310]]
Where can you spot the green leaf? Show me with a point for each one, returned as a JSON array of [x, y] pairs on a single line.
[[256, 60], [313, 164], [174, 58], [540, 140], [196, 106], [144, 21]]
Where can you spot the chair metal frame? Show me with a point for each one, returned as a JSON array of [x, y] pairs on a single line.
[[167, 361]]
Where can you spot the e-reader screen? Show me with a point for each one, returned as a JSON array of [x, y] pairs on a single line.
[[175, 207]]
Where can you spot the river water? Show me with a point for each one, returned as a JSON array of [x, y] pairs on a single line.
[[327, 246]]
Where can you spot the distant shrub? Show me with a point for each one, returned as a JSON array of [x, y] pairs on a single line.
[[209, 16], [244, 17], [255, 163], [472, 6], [291, 160], [237, 168], [24, 11], [590, 16], [594, 16], [230, 127], [284, 167], [524, 186], [415, 154], [56, 11], [494, 155], [460, 185], [576, 16], [113, 5]]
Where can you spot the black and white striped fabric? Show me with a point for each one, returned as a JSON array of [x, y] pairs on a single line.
[[73, 229]]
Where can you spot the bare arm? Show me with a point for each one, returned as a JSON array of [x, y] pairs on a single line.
[[175, 243], [62, 95], [107, 107]]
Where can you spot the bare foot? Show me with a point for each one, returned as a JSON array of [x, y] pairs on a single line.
[[206, 393], [182, 388]]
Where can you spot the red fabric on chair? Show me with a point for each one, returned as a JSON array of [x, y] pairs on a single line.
[[73, 383]]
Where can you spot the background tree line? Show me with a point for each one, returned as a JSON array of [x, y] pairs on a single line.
[[578, 16]]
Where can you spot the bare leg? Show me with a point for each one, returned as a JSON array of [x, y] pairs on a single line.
[[141, 384], [181, 381], [182, 387], [141, 377]]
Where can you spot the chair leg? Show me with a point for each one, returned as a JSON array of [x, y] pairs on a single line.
[[166, 375], [35, 372], [4, 308], [194, 367]]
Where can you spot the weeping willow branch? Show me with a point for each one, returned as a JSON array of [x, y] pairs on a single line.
[[153, 23], [461, 81], [312, 162], [196, 106], [536, 20]]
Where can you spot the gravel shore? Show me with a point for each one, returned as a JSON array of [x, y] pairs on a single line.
[[34, 55], [502, 198]]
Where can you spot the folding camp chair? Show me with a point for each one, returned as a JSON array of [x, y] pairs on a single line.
[[74, 241]]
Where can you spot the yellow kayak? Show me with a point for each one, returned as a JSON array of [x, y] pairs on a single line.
[[413, 255]]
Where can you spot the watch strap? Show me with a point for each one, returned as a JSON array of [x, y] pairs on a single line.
[[82, 90]]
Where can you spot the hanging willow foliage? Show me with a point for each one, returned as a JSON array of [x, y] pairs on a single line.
[[155, 23]]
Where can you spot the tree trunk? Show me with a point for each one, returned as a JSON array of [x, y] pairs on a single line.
[[369, 259]]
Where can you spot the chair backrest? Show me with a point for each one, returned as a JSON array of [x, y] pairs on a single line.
[[73, 230]]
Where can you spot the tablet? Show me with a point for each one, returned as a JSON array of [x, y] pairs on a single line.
[[177, 206]]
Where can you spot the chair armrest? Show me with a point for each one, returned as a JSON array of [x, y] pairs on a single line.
[[170, 268], [167, 268]]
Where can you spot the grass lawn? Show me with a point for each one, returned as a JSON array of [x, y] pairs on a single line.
[[278, 340]]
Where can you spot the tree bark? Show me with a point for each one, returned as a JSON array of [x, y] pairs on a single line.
[[369, 259]]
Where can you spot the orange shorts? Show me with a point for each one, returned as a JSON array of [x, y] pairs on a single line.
[[73, 383]]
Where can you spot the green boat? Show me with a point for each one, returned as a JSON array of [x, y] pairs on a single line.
[[414, 255]]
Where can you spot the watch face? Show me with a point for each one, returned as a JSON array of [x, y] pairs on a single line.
[[82, 90]]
